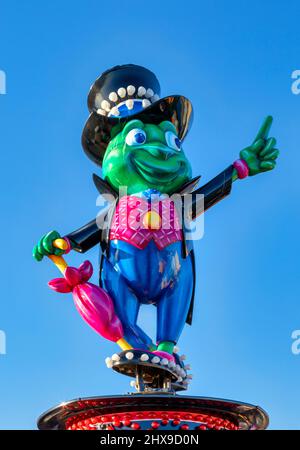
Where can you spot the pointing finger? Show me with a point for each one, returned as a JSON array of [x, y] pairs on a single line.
[[264, 129]]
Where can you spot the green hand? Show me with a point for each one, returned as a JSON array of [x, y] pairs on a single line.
[[45, 247], [261, 155]]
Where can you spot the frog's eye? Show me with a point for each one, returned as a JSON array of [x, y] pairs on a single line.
[[136, 137], [172, 141]]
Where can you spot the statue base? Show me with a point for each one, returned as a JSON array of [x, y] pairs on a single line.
[[151, 372]]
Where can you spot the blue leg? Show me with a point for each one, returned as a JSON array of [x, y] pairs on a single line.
[[126, 306], [173, 306]]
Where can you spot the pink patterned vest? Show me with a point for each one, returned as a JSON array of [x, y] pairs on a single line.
[[129, 222]]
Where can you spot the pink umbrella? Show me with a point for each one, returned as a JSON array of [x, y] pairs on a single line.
[[93, 304]]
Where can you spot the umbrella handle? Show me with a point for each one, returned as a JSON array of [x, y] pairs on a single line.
[[59, 261]]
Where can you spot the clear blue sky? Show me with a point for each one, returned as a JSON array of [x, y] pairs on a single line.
[[234, 60]]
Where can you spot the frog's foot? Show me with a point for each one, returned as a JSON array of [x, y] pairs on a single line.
[[153, 371]]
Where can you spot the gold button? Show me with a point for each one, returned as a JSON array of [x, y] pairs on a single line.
[[152, 220]]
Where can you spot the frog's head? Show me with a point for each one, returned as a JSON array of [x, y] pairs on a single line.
[[144, 156]]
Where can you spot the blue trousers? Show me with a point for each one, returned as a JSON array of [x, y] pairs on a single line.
[[150, 276]]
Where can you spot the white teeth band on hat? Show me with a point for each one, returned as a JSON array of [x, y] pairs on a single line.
[[113, 97], [114, 111], [105, 105], [149, 93], [98, 98], [122, 92], [130, 89], [154, 98], [146, 103], [129, 104], [107, 109], [141, 91], [101, 112]]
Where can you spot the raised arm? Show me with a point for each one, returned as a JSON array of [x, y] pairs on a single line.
[[257, 158]]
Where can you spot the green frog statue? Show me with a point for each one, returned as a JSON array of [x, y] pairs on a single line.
[[151, 200]]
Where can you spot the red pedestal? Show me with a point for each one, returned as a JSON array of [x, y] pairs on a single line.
[[153, 412]]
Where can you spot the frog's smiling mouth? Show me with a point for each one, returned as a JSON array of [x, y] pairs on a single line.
[[163, 168]]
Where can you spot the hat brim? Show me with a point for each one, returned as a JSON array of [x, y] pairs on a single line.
[[99, 130]]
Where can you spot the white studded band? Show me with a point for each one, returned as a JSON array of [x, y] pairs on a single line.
[[115, 99]]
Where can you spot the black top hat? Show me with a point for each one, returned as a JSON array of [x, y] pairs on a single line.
[[124, 93]]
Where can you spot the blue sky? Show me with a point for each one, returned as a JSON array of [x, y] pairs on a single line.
[[234, 60]]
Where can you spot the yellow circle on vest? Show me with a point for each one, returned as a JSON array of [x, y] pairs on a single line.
[[152, 220]]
